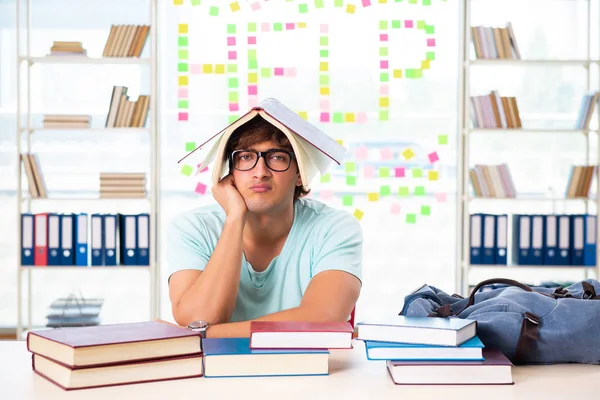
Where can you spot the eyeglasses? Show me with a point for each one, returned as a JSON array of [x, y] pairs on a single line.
[[276, 159]]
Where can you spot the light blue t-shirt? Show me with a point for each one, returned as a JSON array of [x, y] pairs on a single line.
[[321, 238]]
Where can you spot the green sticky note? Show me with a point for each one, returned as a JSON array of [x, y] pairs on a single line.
[[319, 4], [417, 172], [183, 54], [383, 25], [182, 41], [324, 41], [323, 80], [233, 118], [420, 24], [324, 53], [278, 26], [385, 191], [338, 3], [414, 73], [429, 29], [233, 97], [347, 200], [383, 51], [187, 170], [430, 55], [251, 27], [411, 218], [351, 180], [232, 83], [350, 167], [182, 67], [338, 117], [214, 11], [232, 68], [190, 146], [384, 172], [426, 2], [396, 24], [420, 191], [231, 28], [265, 72], [442, 139], [403, 191], [425, 210], [195, 2], [412, 1], [384, 115], [384, 77], [325, 178], [182, 104], [303, 8], [252, 64], [252, 54]]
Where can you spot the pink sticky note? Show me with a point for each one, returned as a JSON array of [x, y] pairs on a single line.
[[440, 197], [290, 26], [278, 71], [361, 117], [251, 39], [231, 41], [430, 42], [200, 188], [324, 28], [400, 172], [255, 6], [204, 169], [366, 3], [369, 171], [383, 37], [195, 68], [324, 117], [324, 104], [395, 208], [252, 89], [386, 154], [327, 195], [290, 72], [183, 116], [384, 89], [265, 26], [362, 153], [383, 64], [232, 55], [234, 107], [183, 93], [252, 101], [433, 157], [408, 23]]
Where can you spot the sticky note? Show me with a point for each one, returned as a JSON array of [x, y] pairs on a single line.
[[231, 28], [325, 178], [301, 25], [383, 64], [338, 3], [433, 175], [303, 8], [234, 107], [384, 102], [384, 89], [350, 166], [351, 180], [425, 64], [433, 157], [421, 24], [358, 214], [383, 51], [399, 172], [182, 116], [182, 104], [395, 208], [408, 23], [386, 153], [431, 42], [324, 41], [232, 118], [233, 97], [417, 173], [411, 218], [420, 191], [183, 93], [289, 26], [362, 153], [255, 6], [252, 54], [383, 37], [426, 2], [347, 200], [324, 91], [324, 117], [251, 39], [200, 188], [324, 53], [440, 197], [303, 115], [430, 55], [350, 8], [177, 2], [252, 89], [397, 73], [207, 68], [265, 72], [214, 11], [373, 196], [361, 117], [340, 142], [278, 27], [403, 191], [384, 115], [323, 66], [366, 3], [232, 68], [231, 41], [183, 80], [196, 69], [425, 210], [183, 54], [183, 28], [195, 2], [442, 139], [408, 154], [278, 71], [383, 25], [182, 41], [384, 172], [290, 72], [396, 24], [319, 4], [324, 28], [204, 170], [235, 6], [338, 117], [190, 146], [384, 77], [385, 191], [349, 117], [324, 103], [219, 68], [429, 29], [368, 171], [187, 170], [412, 73]]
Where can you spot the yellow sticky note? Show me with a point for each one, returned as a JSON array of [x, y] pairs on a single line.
[[397, 73], [207, 68], [384, 102], [382, 1], [178, 2], [301, 25], [408, 154], [252, 77], [183, 28], [350, 8], [349, 117], [303, 115], [425, 64], [235, 6], [373, 196], [183, 81], [324, 91], [220, 68], [358, 214], [340, 141], [433, 175], [324, 67]]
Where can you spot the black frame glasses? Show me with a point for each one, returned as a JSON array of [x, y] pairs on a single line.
[[260, 154]]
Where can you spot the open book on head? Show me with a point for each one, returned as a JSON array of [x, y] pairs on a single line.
[[313, 149]]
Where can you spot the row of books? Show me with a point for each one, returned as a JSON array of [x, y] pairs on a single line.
[[122, 185], [126, 113], [65, 121], [586, 110], [492, 181], [126, 40], [164, 351], [495, 111], [51, 239], [495, 42], [580, 180], [35, 178], [67, 49], [434, 351], [536, 239]]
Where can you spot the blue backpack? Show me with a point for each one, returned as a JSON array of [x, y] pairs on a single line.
[[529, 324]]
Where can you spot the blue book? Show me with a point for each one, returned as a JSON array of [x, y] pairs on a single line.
[[229, 357], [471, 350], [418, 330]]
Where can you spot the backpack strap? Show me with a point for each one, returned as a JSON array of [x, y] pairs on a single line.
[[503, 281], [528, 335]]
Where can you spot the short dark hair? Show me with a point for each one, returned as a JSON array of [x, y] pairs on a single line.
[[258, 130]]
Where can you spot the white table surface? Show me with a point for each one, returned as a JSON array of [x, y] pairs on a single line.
[[352, 376]]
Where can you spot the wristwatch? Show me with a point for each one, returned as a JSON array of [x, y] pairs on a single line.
[[199, 326]]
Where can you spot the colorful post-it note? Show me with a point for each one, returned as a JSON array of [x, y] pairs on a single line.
[[425, 210], [403, 191], [387, 154], [433, 157], [420, 191], [200, 188], [400, 172], [219, 68], [442, 139], [362, 152], [187, 170], [182, 116], [433, 175], [384, 172], [347, 200], [351, 180], [373, 196], [214, 11], [368, 171], [411, 218], [417, 172], [408, 154], [350, 8], [385, 191], [183, 28], [358, 214], [325, 178], [350, 166], [441, 197], [395, 208], [235, 6]]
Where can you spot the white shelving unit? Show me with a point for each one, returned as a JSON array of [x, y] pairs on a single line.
[[24, 203], [465, 198]]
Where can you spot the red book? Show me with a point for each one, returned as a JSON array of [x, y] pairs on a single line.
[[300, 335], [102, 345], [40, 257]]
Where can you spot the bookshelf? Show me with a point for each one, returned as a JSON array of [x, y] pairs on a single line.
[[468, 274], [25, 128]]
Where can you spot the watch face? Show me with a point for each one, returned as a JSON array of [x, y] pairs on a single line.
[[198, 325]]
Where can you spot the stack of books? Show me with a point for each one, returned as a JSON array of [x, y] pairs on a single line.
[[67, 49], [495, 43], [276, 348], [126, 40], [434, 351], [117, 185], [109, 355], [73, 311], [35, 178], [495, 111], [66, 121], [125, 113], [580, 181], [492, 181]]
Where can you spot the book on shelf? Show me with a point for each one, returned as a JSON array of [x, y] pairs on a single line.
[[300, 335], [492, 181], [471, 350], [126, 40], [35, 178], [580, 181], [67, 49], [125, 185], [61, 121], [495, 43], [586, 110], [125, 113], [495, 111]]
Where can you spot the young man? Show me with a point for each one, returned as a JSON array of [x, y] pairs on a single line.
[[264, 252]]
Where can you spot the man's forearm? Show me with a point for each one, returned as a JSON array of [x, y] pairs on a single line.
[[213, 295]]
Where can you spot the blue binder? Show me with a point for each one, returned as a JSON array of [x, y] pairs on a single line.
[[128, 239], [66, 239], [27, 234], [143, 239], [521, 239], [96, 240], [577, 239], [476, 235], [501, 239], [564, 239], [536, 254], [489, 239], [589, 248], [109, 247], [551, 256], [53, 239], [81, 239]]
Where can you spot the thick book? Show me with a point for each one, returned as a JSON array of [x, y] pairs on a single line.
[[495, 369], [233, 357], [313, 149], [471, 350], [69, 378], [300, 335], [418, 330], [113, 344]]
